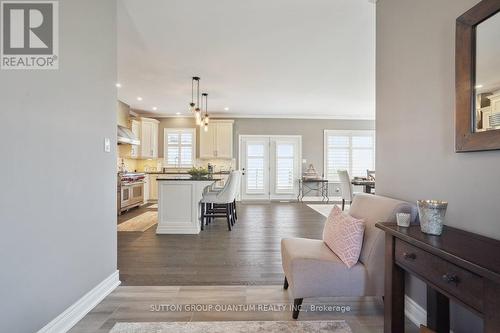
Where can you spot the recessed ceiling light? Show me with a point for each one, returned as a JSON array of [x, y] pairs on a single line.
[[479, 86], [226, 109], [178, 113], [155, 108], [139, 98], [118, 85]]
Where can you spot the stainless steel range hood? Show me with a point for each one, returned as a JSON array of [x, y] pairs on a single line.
[[125, 136]]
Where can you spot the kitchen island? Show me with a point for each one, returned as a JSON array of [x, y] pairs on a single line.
[[178, 205]]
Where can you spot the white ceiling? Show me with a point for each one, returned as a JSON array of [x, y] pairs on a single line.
[[259, 58]]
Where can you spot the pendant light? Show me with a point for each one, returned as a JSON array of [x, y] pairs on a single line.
[[192, 105], [197, 110], [206, 119]]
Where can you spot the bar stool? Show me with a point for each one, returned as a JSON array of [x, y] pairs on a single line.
[[221, 203]]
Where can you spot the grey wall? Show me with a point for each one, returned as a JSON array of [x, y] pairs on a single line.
[[58, 198], [311, 131], [415, 124]]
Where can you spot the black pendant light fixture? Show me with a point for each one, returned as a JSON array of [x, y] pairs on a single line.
[[197, 111], [205, 119], [192, 105]]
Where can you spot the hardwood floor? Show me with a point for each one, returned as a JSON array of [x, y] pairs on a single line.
[[240, 267], [134, 304], [248, 255]]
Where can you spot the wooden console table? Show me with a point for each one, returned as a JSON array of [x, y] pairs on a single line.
[[457, 265]]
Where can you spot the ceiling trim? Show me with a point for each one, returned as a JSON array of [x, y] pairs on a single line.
[[260, 116]]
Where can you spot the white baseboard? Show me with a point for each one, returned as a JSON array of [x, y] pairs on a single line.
[[414, 312], [66, 320]]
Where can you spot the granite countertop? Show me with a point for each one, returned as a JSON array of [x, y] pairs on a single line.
[[188, 179], [182, 173]]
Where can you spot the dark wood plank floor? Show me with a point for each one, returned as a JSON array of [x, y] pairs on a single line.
[[248, 255]]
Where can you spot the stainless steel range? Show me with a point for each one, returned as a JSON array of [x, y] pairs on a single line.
[[130, 190]]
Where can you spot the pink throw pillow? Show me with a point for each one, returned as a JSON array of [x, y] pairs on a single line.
[[343, 234]]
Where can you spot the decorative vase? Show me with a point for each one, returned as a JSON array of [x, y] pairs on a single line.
[[431, 213], [403, 219]]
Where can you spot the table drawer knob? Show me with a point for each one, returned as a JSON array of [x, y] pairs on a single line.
[[409, 256], [450, 278]]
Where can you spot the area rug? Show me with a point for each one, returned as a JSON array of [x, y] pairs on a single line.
[[140, 223], [334, 326], [322, 209]]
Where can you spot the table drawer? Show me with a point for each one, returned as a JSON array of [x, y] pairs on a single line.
[[458, 282]]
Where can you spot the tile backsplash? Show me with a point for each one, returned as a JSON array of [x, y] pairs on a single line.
[[152, 165]]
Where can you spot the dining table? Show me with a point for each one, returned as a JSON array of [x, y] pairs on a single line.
[[368, 184]]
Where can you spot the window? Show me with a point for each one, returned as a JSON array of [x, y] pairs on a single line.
[[353, 151], [179, 147]]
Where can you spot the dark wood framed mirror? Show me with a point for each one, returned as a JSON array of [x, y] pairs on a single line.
[[477, 70]]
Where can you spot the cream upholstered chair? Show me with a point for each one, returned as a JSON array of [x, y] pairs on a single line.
[[313, 270], [221, 203], [345, 186]]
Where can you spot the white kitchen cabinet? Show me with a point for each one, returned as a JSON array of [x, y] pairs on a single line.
[[207, 142], [153, 187], [147, 181], [135, 126], [217, 142], [149, 138]]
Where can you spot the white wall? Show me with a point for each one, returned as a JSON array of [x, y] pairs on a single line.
[[415, 124], [58, 197]]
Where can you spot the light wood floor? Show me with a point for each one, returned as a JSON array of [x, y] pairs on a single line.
[[134, 304], [248, 255]]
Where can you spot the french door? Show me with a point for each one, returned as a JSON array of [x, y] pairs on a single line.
[[270, 166]]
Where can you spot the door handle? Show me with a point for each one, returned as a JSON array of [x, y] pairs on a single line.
[[450, 278]]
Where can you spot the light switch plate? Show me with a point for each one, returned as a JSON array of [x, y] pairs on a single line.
[[107, 145]]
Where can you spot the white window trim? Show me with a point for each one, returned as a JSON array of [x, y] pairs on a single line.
[[344, 132], [165, 147]]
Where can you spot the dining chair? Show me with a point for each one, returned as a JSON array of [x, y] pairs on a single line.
[[345, 186], [370, 175]]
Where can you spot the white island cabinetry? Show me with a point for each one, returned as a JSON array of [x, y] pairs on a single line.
[[178, 205]]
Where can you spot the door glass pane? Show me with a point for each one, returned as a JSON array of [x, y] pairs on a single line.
[[284, 167], [284, 150], [255, 167], [284, 175], [255, 150], [255, 174]]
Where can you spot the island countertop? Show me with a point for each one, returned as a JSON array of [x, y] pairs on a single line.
[[188, 179]]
